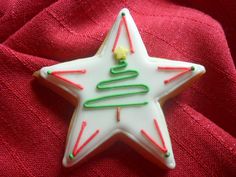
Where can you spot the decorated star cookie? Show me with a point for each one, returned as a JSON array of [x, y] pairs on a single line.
[[118, 95]]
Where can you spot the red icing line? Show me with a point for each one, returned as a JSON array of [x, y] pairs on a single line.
[[144, 133], [159, 132], [57, 74], [118, 114], [75, 150], [123, 20], [71, 71], [117, 36], [129, 37], [176, 76], [173, 68], [185, 70], [163, 149], [86, 142], [79, 137], [68, 81]]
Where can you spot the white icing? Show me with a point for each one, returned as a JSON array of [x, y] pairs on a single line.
[[132, 119]]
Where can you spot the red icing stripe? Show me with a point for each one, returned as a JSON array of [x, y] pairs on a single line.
[[87, 141], [123, 20], [68, 81], [117, 36], [153, 141], [77, 149], [57, 75], [159, 132], [70, 71], [184, 71], [176, 76], [79, 137], [173, 68], [146, 135], [118, 114], [129, 37]]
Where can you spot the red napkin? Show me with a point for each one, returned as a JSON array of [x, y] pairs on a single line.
[[34, 120]]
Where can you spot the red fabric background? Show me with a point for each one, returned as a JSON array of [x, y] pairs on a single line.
[[34, 120]]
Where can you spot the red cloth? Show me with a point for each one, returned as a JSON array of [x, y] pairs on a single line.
[[34, 120]]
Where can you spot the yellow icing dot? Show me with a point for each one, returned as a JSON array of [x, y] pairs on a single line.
[[120, 53]]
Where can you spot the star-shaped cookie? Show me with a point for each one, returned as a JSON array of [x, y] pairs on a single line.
[[118, 94]]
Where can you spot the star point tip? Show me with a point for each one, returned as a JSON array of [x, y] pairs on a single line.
[[199, 69], [203, 69], [124, 10]]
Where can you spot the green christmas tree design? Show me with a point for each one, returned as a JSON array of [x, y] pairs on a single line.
[[120, 74]]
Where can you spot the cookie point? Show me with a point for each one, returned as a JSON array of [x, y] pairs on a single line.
[[192, 68], [122, 14], [171, 165], [124, 10]]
